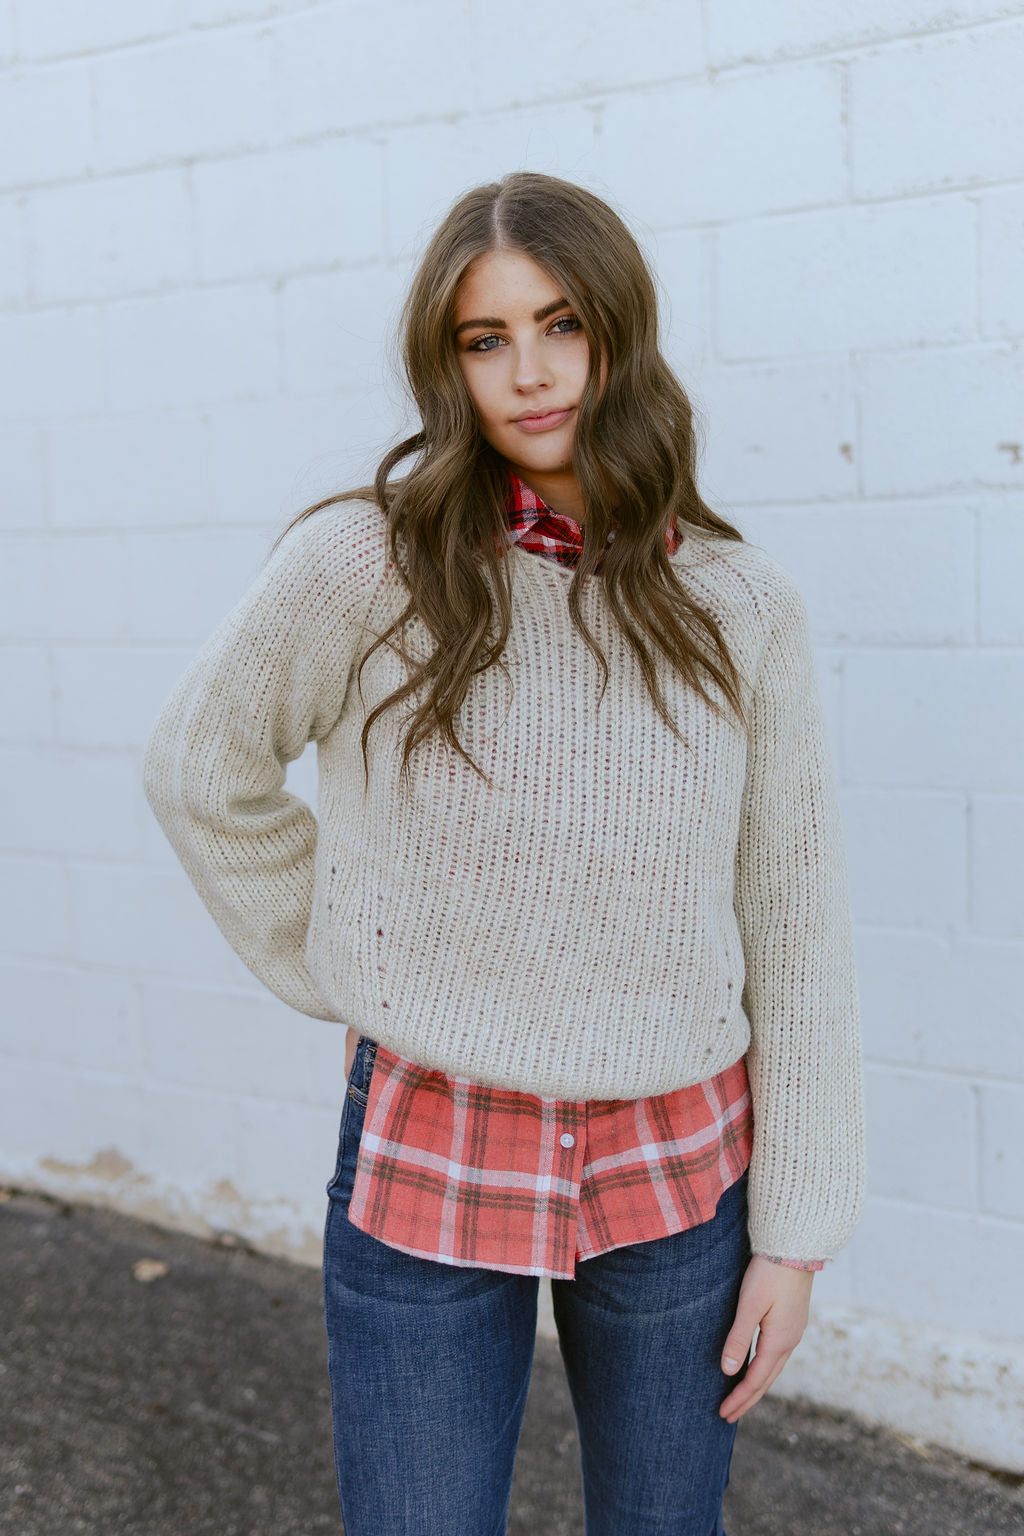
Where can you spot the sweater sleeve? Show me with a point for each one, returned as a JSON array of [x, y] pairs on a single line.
[[272, 677], [800, 994]]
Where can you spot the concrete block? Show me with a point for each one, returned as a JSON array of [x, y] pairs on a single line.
[[67, 1129], [780, 433], [111, 236], [180, 585], [1002, 262], [198, 344], [70, 803], [88, 598], [142, 920], [286, 1151], [907, 856], [25, 590], [214, 13], [902, 981], [921, 1138], [746, 144], [50, 34], [979, 1029], [22, 481], [36, 922], [26, 695], [1000, 557], [75, 1018], [142, 470], [139, 93], [897, 275], [285, 210], [943, 1269], [271, 458], [742, 33], [830, 665], [682, 261], [430, 164], [327, 1065], [1001, 1112], [247, 1044], [14, 244], [354, 65], [948, 1003], [106, 696], [938, 113], [632, 43], [876, 573], [339, 329], [53, 364], [935, 420], [190, 1140], [46, 124], [997, 843], [934, 719]]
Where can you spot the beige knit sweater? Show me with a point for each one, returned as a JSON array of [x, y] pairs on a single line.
[[619, 915]]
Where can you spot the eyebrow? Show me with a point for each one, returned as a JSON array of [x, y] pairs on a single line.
[[500, 325]]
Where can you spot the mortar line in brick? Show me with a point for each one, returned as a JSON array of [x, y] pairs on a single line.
[[975, 203], [714, 346], [920, 1071], [971, 864], [705, 36], [851, 52], [975, 516], [160, 37], [854, 355], [844, 118], [979, 1147]]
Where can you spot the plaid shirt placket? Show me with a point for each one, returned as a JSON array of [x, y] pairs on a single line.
[[470, 1175]]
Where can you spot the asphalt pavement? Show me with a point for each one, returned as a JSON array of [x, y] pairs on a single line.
[[152, 1384]]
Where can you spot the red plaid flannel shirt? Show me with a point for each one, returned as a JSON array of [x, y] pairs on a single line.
[[466, 1174]]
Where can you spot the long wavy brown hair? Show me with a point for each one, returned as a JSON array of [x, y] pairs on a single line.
[[634, 456]]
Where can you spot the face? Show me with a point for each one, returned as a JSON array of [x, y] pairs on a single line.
[[525, 358]]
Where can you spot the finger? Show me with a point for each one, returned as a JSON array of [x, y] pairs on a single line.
[[741, 1337], [753, 1387]]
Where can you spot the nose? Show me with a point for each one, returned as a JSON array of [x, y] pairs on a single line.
[[532, 370]]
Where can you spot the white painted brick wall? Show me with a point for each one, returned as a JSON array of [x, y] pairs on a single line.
[[193, 313], [938, 113]]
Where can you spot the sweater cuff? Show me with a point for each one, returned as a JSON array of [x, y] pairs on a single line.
[[812, 1264]]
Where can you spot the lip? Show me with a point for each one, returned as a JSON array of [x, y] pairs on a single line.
[[543, 422]]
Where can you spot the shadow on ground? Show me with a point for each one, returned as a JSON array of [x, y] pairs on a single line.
[[196, 1404]]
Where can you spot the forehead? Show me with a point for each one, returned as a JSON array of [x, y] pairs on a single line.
[[504, 283]]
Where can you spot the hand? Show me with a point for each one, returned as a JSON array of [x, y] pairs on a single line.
[[774, 1300]]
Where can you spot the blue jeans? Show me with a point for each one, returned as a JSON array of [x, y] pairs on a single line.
[[429, 1365]]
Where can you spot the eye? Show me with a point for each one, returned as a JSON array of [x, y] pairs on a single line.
[[479, 345], [569, 321]]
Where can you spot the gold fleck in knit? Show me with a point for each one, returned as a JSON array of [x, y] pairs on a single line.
[[618, 915]]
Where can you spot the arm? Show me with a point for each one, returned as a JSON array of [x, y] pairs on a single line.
[[271, 678], [792, 907]]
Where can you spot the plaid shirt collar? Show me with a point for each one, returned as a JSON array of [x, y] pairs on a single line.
[[533, 525]]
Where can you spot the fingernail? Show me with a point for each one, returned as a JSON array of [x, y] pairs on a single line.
[[731, 1365]]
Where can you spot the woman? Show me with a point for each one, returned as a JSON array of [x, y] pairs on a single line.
[[577, 889]]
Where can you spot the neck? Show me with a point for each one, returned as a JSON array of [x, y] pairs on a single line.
[[558, 489]]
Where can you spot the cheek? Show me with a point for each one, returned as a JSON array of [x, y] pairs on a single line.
[[485, 394]]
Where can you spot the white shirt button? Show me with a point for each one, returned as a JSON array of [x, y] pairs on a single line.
[[567, 1139]]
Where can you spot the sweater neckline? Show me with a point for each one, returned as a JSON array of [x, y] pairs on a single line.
[[692, 544]]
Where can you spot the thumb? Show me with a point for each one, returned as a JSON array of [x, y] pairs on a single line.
[[741, 1336]]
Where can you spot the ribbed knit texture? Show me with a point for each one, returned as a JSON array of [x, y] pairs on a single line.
[[619, 915]]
